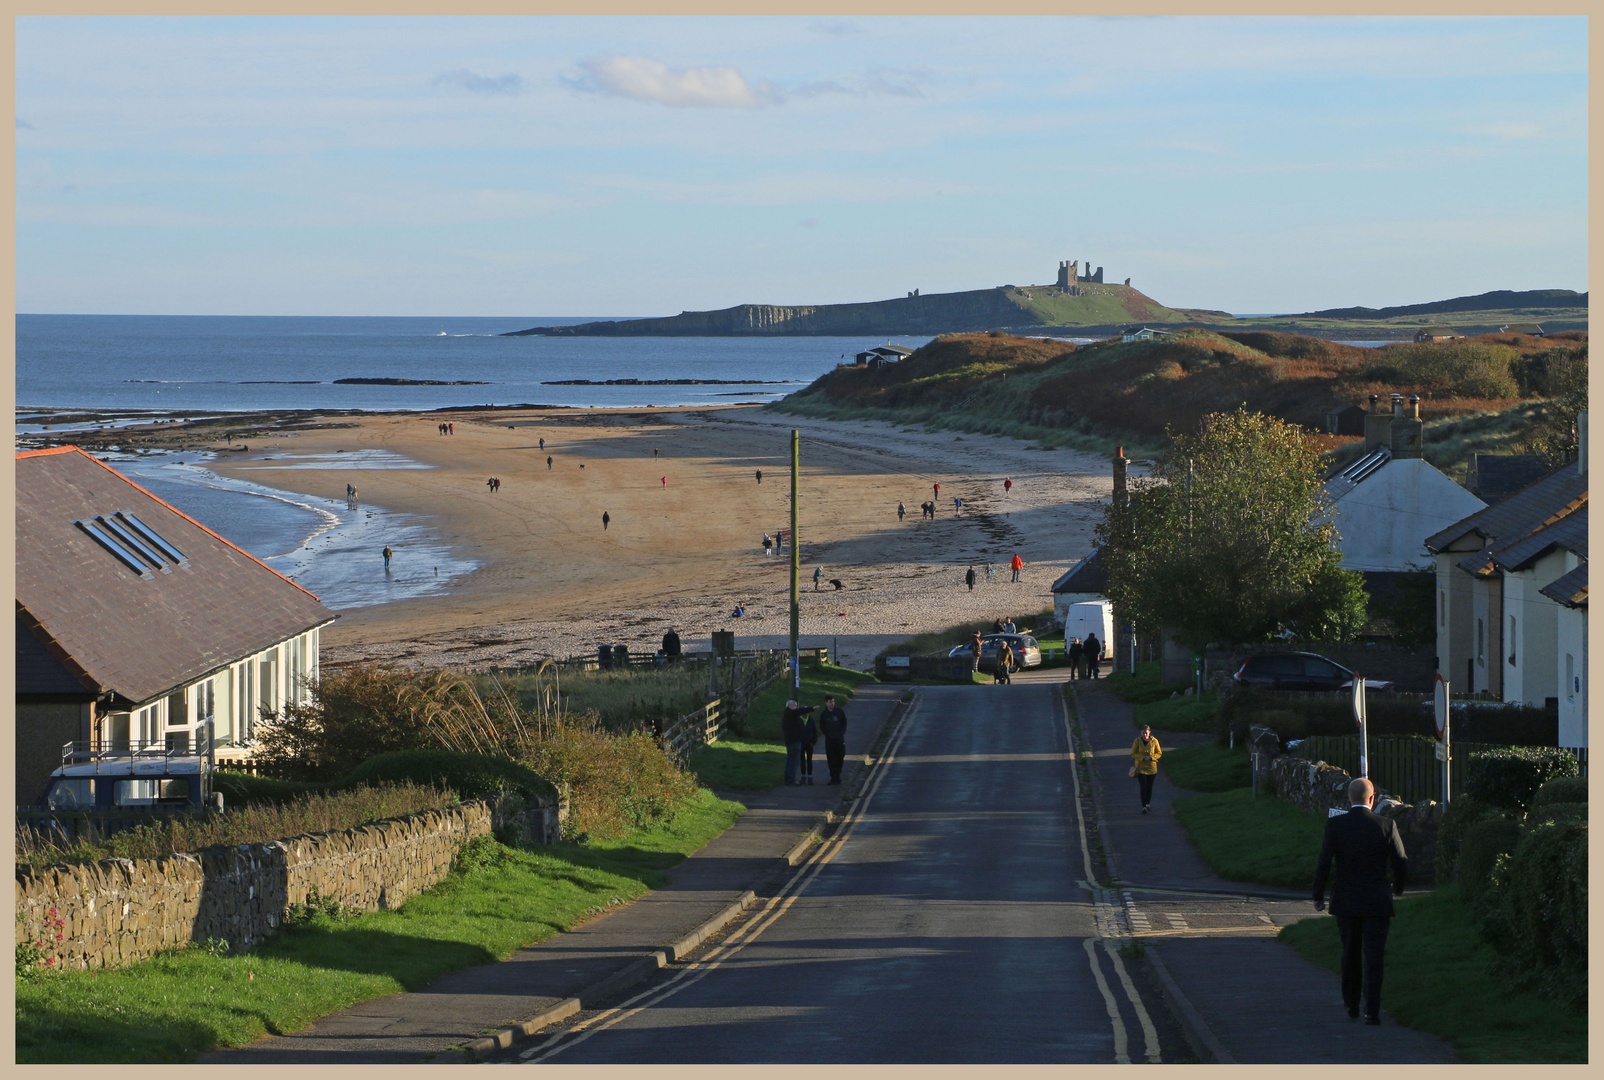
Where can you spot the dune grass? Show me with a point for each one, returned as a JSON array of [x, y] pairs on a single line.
[[1441, 978], [179, 1005]]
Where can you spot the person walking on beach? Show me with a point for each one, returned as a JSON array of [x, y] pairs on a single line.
[[654, 451], [957, 506], [760, 476], [1364, 844], [768, 544], [387, 554], [901, 510], [833, 726], [1016, 565], [1145, 752], [548, 461], [810, 737], [451, 429], [1092, 650], [990, 571], [665, 481], [1073, 653], [543, 444], [791, 735], [938, 490], [1008, 485], [818, 575], [606, 519], [969, 579], [491, 483]]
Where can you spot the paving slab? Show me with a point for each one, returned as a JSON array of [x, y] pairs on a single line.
[[465, 1005]]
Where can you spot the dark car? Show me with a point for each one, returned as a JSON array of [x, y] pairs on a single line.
[[1026, 652], [1299, 671]]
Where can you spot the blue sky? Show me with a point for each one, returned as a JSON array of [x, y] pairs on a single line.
[[644, 166]]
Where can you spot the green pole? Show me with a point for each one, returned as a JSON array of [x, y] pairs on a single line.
[[796, 569]]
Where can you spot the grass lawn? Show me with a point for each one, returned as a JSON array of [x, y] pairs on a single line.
[[763, 718], [1143, 685], [740, 764], [1440, 979], [1208, 767], [1176, 714], [1263, 840], [176, 1006]]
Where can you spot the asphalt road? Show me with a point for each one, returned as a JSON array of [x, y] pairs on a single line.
[[946, 920]]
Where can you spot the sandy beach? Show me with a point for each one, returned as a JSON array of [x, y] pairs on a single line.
[[553, 583]]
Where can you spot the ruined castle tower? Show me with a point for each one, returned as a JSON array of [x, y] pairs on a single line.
[[1068, 274]]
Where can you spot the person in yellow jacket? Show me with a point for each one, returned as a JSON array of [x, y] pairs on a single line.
[[1145, 752]]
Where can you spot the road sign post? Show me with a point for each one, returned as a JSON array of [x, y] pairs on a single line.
[[1360, 719], [1445, 754]]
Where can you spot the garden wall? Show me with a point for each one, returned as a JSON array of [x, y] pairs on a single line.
[[121, 910]]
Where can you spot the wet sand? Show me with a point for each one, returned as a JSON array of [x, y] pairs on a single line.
[[553, 583]]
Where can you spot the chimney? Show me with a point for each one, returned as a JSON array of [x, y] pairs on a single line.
[[1121, 495], [1378, 426], [1407, 429], [1581, 442]]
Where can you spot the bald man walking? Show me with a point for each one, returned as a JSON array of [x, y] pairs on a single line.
[[1364, 844]]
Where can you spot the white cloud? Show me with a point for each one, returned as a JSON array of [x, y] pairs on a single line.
[[644, 79], [480, 84]]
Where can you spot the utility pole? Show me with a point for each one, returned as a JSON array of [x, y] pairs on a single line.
[[796, 571]]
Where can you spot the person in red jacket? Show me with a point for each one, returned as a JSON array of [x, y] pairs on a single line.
[[1016, 565]]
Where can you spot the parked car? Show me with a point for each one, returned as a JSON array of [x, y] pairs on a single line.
[[1300, 671], [1026, 652]]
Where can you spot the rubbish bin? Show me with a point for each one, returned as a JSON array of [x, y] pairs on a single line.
[[604, 654], [621, 656]]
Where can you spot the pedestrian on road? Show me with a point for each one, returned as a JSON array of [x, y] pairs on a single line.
[[1364, 844], [791, 733], [1005, 663], [810, 736], [1074, 654], [833, 726], [969, 579], [606, 518], [671, 645], [760, 476], [901, 510], [1092, 652], [1016, 565], [387, 554], [976, 646], [1145, 752], [818, 576]]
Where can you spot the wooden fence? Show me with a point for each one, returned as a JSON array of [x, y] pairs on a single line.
[[1405, 766], [748, 676]]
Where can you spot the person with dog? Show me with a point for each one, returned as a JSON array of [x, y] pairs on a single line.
[[818, 576], [833, 726]]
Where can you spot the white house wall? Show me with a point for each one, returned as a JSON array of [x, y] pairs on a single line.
[[1571, 670], [1384, 521], [1532, 677], [1456, 624]]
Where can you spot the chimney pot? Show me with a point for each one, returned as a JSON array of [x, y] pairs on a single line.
[[1414, 406], [1373, 399]]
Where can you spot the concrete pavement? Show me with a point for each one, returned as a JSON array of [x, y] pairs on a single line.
[[1245, 997], [599, 957]]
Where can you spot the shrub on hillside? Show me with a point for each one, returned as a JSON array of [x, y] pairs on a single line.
[[1466, 369], [615, 782], [1565, 789], [1510, 776], [471, 776], [1479, 851], [1461, 814], [1535, 910]]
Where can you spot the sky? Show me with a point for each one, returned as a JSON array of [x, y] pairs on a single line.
[[644, 166]]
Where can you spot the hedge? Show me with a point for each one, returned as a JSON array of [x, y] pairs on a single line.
[[1535, 910], [471, 776], [1566, 789], [241, 790], [1509, 777], [1461, 814], [1479, 851]]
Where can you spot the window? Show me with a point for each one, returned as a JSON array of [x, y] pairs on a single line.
[[145, 722], [242, 699], [267, 683], [223, 729], [71, 793], [1512, 641], [1316, 668], [205, 702], [117, 730]]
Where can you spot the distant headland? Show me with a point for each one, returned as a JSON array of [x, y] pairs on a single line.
[[1079, 303]]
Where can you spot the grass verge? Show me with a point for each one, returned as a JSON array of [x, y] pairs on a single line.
[[739, 764], [179, 1005], [763, 718], [1208, 767], [1143, 685], [1441, 978], [1264, 840], [1177, 714]]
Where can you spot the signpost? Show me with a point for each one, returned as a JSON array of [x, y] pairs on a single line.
[[796, 571], [1359, 718], [1440, 713]]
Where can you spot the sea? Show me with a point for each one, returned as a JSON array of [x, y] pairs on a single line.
[[129, 366]]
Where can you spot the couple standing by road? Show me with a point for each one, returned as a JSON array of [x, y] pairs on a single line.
[[801, 733]]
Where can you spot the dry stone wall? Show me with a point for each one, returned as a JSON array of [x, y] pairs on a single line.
[[121, 910]]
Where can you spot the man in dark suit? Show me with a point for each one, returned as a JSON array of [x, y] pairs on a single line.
[[1364, 844]]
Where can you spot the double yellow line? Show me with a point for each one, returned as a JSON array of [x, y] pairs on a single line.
[[771, 912]]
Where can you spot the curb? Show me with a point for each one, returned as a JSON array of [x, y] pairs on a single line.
[[648, 965], [1199, 1036]]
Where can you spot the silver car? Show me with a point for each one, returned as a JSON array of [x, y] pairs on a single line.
[[1026, 653]]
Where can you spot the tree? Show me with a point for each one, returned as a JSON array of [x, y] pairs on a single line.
[[1231, 538], [1561, 376]]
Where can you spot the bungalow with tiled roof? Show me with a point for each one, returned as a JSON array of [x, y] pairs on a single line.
[[136, 624]]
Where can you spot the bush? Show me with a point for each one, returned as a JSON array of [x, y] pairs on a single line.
[[615, 782], [1508, 725], [1565, 813], [241, 790], [1535, 912], [1510, 777], [1479, 851], [471, 776], [1461, 814], [1565, 789]]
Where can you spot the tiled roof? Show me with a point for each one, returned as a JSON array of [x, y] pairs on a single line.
[[1569, 532], [1090, 576], [140, 634], [1570, 590], [1549, 499], [1498, 475], [40, 671]]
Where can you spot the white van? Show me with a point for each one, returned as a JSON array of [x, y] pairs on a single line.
[[1088, 617]]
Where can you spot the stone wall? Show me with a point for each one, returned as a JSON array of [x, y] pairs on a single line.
[[121, 910]]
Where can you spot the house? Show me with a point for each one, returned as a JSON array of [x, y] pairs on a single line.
[[1388, 502], [1345, 420], [136, 624], [1495, 477], [1522, 328], [1084, 583], [1437, 333], [1512, 597], [1141, 333], [883, 354]]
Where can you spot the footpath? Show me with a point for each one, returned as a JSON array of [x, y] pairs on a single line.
[[471, 1013], [1241, 996]]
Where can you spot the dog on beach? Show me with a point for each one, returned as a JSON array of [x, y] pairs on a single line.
[[837, 583]]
